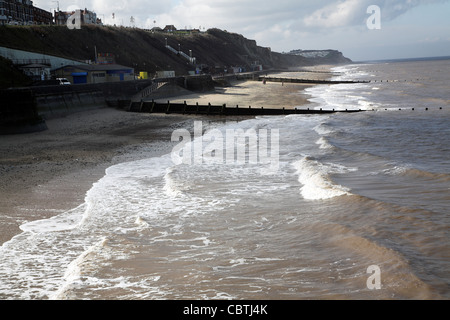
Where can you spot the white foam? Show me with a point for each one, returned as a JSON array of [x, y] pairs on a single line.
[[317, 184], [323, 143], [52, 256], [141, 222], [151, 168], [238, 262], [337, 97], [350, 72], [32, 263], [395, 170], [323, 129], [76, 269], [171, 187], [366, 105], [65, 221], [58, 257], [343, 96]]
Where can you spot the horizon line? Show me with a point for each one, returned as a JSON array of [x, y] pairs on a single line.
[[404, 59]]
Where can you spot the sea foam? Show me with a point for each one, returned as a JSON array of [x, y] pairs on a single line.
[[317, 184]]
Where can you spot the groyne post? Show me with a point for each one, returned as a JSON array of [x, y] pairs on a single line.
[[153, 106]]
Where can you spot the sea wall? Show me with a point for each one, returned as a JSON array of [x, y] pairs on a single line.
[[18, 112], [25, 109], [56, 105], [56, 101]]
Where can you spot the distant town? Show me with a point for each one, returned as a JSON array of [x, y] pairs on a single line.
[[225, 53], [104, 69], [23, 12]]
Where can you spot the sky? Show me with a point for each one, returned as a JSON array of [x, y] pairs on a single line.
[[393, 29]]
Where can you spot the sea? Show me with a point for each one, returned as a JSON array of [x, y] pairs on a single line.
[[331, 206]]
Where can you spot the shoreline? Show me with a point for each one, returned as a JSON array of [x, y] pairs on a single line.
[[256, 94], [47, 173]]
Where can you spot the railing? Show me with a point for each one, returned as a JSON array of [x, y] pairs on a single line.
[[181, 53], [148, 91], [22, 62], [172, 49]]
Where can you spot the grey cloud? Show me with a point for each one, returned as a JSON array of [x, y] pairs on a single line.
[[354, 12]]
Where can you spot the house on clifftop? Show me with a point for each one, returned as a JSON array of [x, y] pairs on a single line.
[[169, 28]]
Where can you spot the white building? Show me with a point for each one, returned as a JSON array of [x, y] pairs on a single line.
[[87, 17]]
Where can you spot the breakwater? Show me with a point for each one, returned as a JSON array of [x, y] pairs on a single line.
[[222, 110], [307, 81]]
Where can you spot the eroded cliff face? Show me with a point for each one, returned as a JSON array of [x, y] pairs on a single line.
[[247, 51], [146, 51]]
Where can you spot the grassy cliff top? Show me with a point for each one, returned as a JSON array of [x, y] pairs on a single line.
[[146, 51]]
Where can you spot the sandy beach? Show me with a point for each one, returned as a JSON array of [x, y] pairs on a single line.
[[49, 172], [46, 173], [256, 94]]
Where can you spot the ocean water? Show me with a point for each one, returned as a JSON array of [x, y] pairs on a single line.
[[290, 207]]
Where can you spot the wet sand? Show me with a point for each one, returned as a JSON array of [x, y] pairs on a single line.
[[257, 95], [46, 173]]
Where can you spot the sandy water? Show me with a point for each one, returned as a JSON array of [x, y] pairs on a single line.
[[294, 207]]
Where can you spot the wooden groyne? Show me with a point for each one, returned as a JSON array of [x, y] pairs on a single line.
[[307, 81], [222, 110]]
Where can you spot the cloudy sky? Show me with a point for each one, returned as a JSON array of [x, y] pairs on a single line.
[[405, 29]]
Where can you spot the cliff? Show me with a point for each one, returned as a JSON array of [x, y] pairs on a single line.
[[146, 51]]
